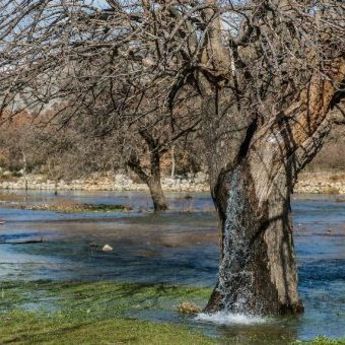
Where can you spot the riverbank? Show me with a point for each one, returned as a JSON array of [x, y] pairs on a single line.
[[309, 182], [106, 182], [321, 182]]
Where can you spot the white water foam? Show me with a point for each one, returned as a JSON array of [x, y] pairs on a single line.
[[224, 318]]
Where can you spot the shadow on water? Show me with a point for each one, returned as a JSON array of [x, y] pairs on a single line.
[[178, 248]]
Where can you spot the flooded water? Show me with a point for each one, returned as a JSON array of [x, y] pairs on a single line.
[[179, 247]]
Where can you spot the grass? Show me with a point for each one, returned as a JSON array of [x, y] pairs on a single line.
[[68, 206], [93, 313], [74, 207], [102, 313], [102, 298], [59, 205], [332, 190], [10, 197], [321, 341], [26, 328]]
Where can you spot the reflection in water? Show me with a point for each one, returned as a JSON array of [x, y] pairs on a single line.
[[178, 248]]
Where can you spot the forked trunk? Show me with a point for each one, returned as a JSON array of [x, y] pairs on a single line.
[[152, 179], [157, 194], [257, 273]]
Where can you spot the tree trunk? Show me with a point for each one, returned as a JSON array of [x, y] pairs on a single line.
[[173, 162], [152, 179], [25, 169], [157, 194], [257, 272], [56, 184]]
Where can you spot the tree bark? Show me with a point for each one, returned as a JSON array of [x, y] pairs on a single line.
[[173, 162], [154, 182], [157, 194], [257, 272], [152, 179]]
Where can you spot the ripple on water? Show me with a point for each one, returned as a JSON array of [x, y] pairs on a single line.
[[225, 318]]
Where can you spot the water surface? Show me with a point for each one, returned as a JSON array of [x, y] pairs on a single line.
[[179, 247]]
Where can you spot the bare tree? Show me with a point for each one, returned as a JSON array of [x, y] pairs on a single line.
[[267, 74], [68, 153], [17, 140], [93, 62], [140, 135]]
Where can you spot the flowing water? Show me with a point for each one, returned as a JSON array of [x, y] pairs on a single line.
[[179, 247]]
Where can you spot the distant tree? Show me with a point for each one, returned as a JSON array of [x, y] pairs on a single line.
[[17, 141], [68, 154], [74, 68], [141, 140]]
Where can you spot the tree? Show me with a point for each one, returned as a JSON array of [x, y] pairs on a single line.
[[267, 74], [87, 64], [142, 141], [17, 141]]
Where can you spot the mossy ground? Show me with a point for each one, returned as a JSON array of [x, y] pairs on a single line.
[[322, 341], [100, 313], [26, 328], [92, 313], [67, 206], [62, 205]]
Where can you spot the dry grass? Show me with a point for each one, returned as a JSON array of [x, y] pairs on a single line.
[[70, 206]]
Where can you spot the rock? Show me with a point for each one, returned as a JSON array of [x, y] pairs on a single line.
[[106, 248], [188, 308]]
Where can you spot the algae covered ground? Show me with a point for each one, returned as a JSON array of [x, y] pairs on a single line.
[[92, 313], [100, 313], [322, 341]]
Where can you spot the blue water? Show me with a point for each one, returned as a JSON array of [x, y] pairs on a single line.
[[179, 247]]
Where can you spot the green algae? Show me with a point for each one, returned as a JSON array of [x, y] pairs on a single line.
[[93, 313], [46, 312], [73, 207], [61, 205], [321, 341], [119, 296], [29, 328]]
